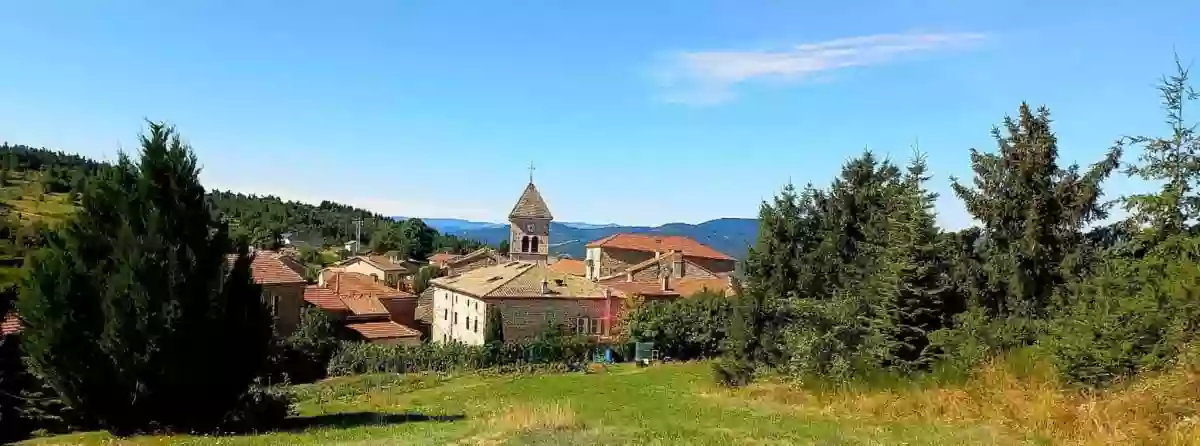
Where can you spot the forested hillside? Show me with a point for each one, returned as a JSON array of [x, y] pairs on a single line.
[[39, 188], [729, 235]]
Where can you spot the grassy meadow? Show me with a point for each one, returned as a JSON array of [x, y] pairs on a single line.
[[678, 404]]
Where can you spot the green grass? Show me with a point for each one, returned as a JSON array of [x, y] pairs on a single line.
[[665, 404]]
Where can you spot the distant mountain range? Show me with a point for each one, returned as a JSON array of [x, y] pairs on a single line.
[[732, 236]]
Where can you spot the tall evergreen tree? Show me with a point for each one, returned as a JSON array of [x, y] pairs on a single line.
[[13, 425], [919, 304], [495, 326], [135, 314], [1173, 160], [1033, 213]]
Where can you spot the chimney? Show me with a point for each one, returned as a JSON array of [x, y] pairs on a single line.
[[545, 286], [628, 276], [666, 283]]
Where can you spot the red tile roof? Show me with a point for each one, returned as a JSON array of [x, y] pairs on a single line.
[[324, 298], [365, 305], [268, 269], [358, 283], [383, 330], [441, 257], [10, 324], [569, 266], [677, 287], [659, 243]]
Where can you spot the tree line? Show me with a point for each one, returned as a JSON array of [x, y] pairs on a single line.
[[855, 278]]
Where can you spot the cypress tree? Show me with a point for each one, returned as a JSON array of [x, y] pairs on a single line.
[[495, 326], [135, 314]]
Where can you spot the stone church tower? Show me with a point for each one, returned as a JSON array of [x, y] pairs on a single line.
[[530, 228]]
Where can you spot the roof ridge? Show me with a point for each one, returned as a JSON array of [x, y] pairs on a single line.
[[501, 283]]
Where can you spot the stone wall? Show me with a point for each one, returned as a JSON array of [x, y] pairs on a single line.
[[290, 300], [613, 261], [525, 318]]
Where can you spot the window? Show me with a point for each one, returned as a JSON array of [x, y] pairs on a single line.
[[596, 327], [468, 322], [455, 318], [581, 325], [476, 325], [533, 244], [445, 315], [274, 305], [525, 244]]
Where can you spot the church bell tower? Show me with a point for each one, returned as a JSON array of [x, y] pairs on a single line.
[[529, 227]]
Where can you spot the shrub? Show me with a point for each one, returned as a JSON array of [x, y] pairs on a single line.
[[694, 327], [260, 408], [359, 358], [732, 373]]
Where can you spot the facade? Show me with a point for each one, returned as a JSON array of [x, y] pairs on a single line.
[[619, 252], [528, 297], [529, 228], [282, 288], [388, 269]]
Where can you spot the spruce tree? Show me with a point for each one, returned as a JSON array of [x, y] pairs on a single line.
[[1033, 213], [1173, 160], [918, 305], [135, 315]]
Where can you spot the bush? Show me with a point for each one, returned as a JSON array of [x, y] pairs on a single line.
[[359, 358], [1133, 315], [732, 373], [260, 408], [694, 327]]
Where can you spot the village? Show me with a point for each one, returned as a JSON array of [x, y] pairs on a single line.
[[371, 295]]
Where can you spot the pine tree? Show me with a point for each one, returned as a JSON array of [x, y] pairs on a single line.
[[1173, 161], [134, 315], [13, 426], [1033, 213]]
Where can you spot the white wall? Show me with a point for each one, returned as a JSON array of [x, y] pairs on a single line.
[[593, 254], [469, 309]]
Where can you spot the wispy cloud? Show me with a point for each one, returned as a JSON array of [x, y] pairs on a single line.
[[709, 77]]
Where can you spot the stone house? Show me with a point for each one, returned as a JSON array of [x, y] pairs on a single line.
[[377, 313], [282, 288], [528, 296], [617, 253], [479, 258], [389, 268]]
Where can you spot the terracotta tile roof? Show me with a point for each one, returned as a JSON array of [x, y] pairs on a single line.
[[677, 287], [383, 330], [516, 279], [364, 305], [324, 298], [10, 324], [659, 243], [569, 266], [531, 205], [267, 269], [474, 255], [442, 257], [357, 283]]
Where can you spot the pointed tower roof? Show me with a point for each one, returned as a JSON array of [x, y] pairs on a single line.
[[531, 205]]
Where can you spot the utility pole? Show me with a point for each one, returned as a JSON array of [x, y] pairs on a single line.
[[357, 235]]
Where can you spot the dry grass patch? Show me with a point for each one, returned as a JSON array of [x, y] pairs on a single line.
[[1160, 409], [525, 419]]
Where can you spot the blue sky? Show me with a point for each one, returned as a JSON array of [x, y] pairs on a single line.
[[633, 112]]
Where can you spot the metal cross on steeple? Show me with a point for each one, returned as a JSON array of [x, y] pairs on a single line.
[[531, 169]]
